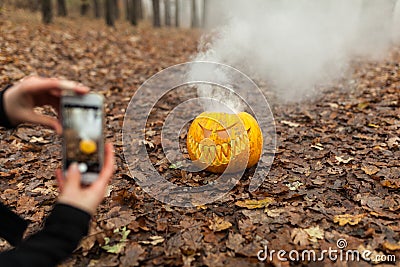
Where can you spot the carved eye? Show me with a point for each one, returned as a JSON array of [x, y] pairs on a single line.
[[223, 134]]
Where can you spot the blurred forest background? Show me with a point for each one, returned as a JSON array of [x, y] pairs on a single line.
[[169, 13]]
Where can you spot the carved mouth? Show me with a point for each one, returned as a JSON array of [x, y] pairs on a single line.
[[215, 155]]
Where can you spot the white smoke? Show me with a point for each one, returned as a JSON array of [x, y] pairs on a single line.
[[295, 46]]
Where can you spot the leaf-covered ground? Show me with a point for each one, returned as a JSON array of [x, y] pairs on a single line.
[[335, 175]]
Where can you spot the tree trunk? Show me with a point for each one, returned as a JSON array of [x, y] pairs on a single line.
[[156, 13], [61, 8], [167, 10], [116, 10], [132, 12], [127, 6], [195, 20], [139, 9], [84, 7], [110, 13], [96, 9], [47, 11], [34, 5], [177, 13]]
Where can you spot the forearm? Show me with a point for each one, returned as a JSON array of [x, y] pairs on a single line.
[[63, 230]]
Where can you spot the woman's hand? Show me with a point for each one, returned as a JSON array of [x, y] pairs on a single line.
[[31, 92], [85, 198]]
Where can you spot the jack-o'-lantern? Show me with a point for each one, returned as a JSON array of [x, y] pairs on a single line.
[[216, 139]]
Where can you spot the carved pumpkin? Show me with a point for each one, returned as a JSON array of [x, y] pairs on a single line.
[[215, 139]]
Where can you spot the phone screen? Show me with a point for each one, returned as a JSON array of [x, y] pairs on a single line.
[[83, 140]]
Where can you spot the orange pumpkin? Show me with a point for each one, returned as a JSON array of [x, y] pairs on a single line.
[[215, 139]]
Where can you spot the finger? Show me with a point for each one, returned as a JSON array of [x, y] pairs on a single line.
[[60, 179], [38, 84], [108, 168], [74, 86], [73, 177]]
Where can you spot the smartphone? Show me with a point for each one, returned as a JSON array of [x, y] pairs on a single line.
[[83, 139]]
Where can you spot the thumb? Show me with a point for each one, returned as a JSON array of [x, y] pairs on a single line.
[[73, 177]]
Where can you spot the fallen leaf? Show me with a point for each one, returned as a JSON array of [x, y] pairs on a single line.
[[315, 233], [393, 142], [391, 183], [344, 219], [291, 124], [370, 170], [176, 165], [133, 254], [372, 125], [154, 240], [342, 160], [294, 186], [255, 204], [275, 212], [119, 246], [390, 246], [39, 140], [219, 224], [148, 143], [299, 237], [318, 146], [235, 242]]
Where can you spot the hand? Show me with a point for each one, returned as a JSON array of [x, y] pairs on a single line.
[[85, 198], [31, 92]]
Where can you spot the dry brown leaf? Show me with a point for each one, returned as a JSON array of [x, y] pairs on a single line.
[[255, 204], [315, 233], [343, 160], [133, 254], [300, 237], [290, 124], [154, 240], [392, 183], [390, 246], [370, 170], [219, 224], [344, 219]]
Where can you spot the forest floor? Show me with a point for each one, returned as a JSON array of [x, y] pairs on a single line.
[[335, 174]]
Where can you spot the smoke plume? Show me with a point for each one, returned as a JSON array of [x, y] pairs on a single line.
[[295, 46]]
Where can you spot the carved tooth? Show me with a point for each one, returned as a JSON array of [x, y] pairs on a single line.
[[218, 157], [233, 149], [224, 159], [243, 142], [211, 153], [238, 145], [204, 153], [225, 149]]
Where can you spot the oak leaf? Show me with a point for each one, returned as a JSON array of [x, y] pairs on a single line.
[[219, 224], [255, 204], [344, 219]]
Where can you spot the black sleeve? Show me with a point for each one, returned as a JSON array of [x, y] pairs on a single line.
[[61, 234], [12, 227], [3, 116]]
